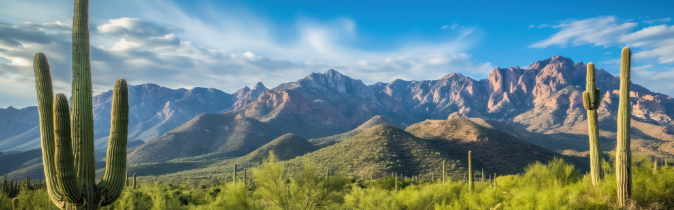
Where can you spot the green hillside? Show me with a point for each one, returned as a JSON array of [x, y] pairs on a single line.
[[381, 150], [374, 121]]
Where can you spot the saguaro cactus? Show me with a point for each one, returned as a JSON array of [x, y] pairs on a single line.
[[27, 182], [234, 174], [470, 171], [591, 101], [623, 162], [134, 181], [655, 165], [127, 178], [67, 138], [15, 203], [10, 188], [443, 173]]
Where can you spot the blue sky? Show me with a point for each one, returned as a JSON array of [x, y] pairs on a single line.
[[231, 44]]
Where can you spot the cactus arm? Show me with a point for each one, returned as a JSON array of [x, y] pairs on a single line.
[[45, 96], [65, 171], [623, 164], [587, 101], [112, 183], [591, 103]]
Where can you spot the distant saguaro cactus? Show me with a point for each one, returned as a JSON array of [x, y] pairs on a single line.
[[443, 173], [134, 181], [470, 171], [9, 187], [234, 174], [591, 101], [623, 162], [655, 165], [27, 182]]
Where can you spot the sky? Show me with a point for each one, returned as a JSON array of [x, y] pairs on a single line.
[[229, 44]]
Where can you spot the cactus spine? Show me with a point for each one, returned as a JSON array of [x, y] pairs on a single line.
[[67, 138], [623, 164], [470, 171], [591, 102]]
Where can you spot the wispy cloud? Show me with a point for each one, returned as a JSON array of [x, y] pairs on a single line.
[[223, 49], [600, 31], [654, 42], [661, 20]]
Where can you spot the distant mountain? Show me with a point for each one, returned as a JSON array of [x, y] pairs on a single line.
[[544, 98], [153, 111], [18, 127], [540, 104]]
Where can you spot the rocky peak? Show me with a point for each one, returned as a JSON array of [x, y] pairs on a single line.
[[260, 87], [246, 94]]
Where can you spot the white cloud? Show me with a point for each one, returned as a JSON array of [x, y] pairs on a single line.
[[600, 31], [657, 81], [653, 42], [531, 26], [226, 49], [657, 20]]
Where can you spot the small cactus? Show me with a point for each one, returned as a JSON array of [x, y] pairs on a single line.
[[470, 171], [27, 182], [15, 203], [443, 173], [234, 174]]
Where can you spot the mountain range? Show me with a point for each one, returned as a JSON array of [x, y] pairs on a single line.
[[540, 105]]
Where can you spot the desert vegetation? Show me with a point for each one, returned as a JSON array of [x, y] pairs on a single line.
[[274, 185]]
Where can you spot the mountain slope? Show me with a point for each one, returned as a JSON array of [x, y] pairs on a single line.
[[285, 147], [212, 135], [153, 111], [492, 149]]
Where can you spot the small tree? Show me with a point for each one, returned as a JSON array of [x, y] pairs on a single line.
[[270, 181]]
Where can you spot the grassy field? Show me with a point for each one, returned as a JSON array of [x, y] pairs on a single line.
[[555, 185]]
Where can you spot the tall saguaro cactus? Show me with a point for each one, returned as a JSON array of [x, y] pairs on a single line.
[[623, 162], [591, 101], [67, 138], [470, 171]]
